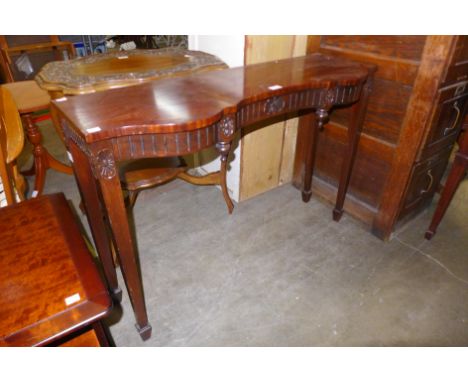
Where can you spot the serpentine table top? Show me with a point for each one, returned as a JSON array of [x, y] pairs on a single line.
[[183, 115], [191, 102]]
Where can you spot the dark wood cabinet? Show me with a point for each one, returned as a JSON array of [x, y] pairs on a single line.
[[415, 112]]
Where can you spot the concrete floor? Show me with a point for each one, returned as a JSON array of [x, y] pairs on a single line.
[[279, 272]]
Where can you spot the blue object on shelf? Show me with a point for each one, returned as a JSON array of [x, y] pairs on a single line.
[[79, 49]]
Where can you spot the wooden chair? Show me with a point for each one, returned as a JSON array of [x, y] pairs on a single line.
[[12, 184], [456, 175], [32, 102]]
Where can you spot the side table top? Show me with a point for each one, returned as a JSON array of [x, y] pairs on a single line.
[[49, 284], [192, 102], [119, 69]]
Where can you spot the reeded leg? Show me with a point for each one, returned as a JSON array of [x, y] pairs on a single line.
[[115, 207], [456, 175], [96, 218], [223, 149], [354, 131], [321, 117]]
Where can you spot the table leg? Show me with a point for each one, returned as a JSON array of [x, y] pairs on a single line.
[[102, 334], [321, 116], [96, 218], [354, 132], [224, 149], [105, 170], [456, 175]]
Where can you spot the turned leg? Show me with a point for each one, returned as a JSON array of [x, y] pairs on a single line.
[[354, 131], [321, 116], [223, 149], [457, 173], [96, 218], [40, 159], [105, 170]]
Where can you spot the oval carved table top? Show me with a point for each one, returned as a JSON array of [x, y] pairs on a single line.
[[118, 69]]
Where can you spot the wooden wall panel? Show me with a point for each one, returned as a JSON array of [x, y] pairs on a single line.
[[385, 112], [400, 47], [262, 151], [291, 125]]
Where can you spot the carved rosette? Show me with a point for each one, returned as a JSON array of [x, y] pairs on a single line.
[[104, 164], [274, 105], [226, 127]]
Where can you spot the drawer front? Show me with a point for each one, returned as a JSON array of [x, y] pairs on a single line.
[[447, 119], [458, 66], [425, 181]]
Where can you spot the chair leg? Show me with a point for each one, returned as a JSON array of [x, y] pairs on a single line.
[[42, 159], [455, 177]]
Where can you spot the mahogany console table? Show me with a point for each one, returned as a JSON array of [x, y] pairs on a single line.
[[183, 115]]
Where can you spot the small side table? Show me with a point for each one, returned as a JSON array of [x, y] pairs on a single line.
[[50, 290]]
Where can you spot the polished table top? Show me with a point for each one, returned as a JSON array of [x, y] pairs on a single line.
[[195, 101], [49, 285], [119, 69]]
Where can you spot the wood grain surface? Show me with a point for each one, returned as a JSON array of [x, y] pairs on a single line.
[[49, 285]]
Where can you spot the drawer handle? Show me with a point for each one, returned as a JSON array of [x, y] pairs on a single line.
[[454, 125], [431, 181]]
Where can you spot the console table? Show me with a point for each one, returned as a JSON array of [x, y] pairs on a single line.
[[184, 115]]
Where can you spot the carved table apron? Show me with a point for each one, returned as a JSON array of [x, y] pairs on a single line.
[[185, 115]]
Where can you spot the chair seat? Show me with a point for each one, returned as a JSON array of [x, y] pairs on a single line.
[[28, 96]]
